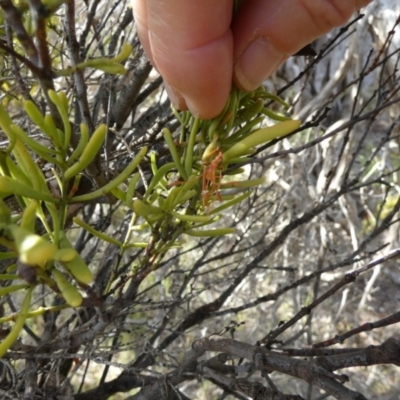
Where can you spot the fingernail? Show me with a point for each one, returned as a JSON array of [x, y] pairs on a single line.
[[257, 63], [179, 102], [175, 97], [192, 106]]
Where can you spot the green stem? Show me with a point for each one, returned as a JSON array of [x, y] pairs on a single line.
[[190, 147]]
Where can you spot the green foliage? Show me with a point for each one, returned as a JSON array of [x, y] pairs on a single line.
[[187, 195], [178, 200]]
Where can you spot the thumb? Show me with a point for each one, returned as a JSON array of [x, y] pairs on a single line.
[[266, 33], [190, 44]]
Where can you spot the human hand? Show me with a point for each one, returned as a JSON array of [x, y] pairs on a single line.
[[199, 49]]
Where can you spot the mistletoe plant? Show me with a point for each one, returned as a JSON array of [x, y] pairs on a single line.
[[187, 195], [183, 196]]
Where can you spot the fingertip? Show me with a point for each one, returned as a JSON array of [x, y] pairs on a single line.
[[258, 61], [175, 97], [205, 111], [266, 33], [192, 48], [206, 107]]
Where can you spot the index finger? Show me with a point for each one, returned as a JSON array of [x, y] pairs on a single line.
[[267, 32]]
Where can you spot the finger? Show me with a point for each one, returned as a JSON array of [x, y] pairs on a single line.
[[267, 32], [190, 43], [139, 8]]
